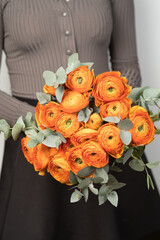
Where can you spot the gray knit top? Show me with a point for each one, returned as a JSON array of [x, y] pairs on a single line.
[[39, 35]]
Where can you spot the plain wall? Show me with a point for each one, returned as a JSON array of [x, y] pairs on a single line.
[[148, 45]]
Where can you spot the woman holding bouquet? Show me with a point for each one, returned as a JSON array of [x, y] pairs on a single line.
[[40, 35]]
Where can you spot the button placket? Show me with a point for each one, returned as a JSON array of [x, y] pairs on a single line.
[[69, 37]]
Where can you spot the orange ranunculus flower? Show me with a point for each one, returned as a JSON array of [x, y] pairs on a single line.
[[37, 113], [143, 129], [116, 108], [41, 154], [64, 148], [74, 101], [109, 139], [84, 135], [49, 89], [75, 159], [109, 86], [94, 122], [67, 124], [59, 169], [94, 155], [47, 114], [80, 79], [28, 152]]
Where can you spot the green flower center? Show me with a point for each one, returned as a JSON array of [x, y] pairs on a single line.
[[93, 154], [110, 137], [111, 89], [51, 114], [140, 128], [68, 123], [78, 161], [114, 108], [79, 80]]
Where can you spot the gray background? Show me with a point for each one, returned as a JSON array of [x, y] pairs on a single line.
[[148, 39]]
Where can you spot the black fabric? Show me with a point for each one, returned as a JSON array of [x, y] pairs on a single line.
[[38, 208]]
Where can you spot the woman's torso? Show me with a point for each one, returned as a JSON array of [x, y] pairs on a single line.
[[40, 35]]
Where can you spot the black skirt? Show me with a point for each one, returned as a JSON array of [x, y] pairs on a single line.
[[33, 207]]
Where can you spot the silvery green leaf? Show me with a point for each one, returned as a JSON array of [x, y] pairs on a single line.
[[117, 185], [113, 198], [152, 164], [39, 137], [32, 143], [84, 183], [49, 77], [150, 93], [73, 63], [126, 137], [72, 178], [125, 124], [143, 103], [31, 132], [106, 168], [136, 165], [61, 137], [16, 130], [76, 196], [112, 179], [88, 112], [28, 121], [115, 168], [103, 190], [43, 98], [111, 119], [46, 132], [149, 182], [136, 93], [97, 180], [119, 160], [81, 115], [5, 128], [21, 122], [138, 151], [100, 172], [85, 192], [59, 93], [58, 143], [61, 75], [89, 64], [93, 189], [102, 198], [50, 141], [56, 84], [85, 172], [127, 155]]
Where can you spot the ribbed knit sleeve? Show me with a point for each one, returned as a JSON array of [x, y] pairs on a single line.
[[10, 107], [123, 48]]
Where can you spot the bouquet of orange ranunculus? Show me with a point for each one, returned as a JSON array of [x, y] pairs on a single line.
[[85, 125]]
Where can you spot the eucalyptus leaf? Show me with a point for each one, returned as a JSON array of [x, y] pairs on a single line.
[[72, 178], [119, 160], [102, 199], [115, 169], [58, 143], [152, 164], [28, 121], [117, 185], [127, 155], [138, 151], [73, 63], [136, 93], [61, 137], [31, 132], [111, 119], [97, 180], [113, 198], [88, 112], [61, 75], [76, 196], [136, 165], [39, 137], [89, 64], [149, 182], [85, 192], [125, 124], [106, 168], [143, 103], [126, 137], [47, 132], [49, 77], [5, 128], [112, 179], [59, 93], [32, 143], [50, 141], [16, 130], [43, 98], [85, 183], [102, 190], [81, 116], [93, 189], [100, 172], [85, 172], [21, 122], [150, 93]]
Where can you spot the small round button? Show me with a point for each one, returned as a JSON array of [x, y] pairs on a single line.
[[67, 32], [64, 14], [68, 52], [67, 0]]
